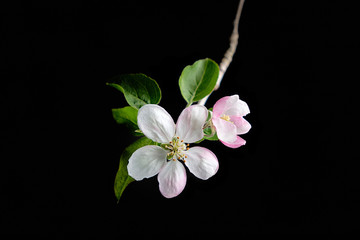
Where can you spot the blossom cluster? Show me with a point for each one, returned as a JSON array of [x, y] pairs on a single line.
[[172, 152]]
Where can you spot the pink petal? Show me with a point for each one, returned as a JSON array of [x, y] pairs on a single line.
[[230, 105], [146, 162], [226, 131], [172, 179], [239, 142], [156, 123], [201, 162], [220, 107], [242, 126], [190, 123]]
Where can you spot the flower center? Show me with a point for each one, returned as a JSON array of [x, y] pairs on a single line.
[[177, 147], [226, 117]]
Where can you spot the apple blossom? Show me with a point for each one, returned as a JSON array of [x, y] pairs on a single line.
[[227, 118], [167, 159]]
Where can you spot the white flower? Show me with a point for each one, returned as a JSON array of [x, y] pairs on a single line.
[[167, 161]]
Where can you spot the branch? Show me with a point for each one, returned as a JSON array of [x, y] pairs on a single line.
[[225, 62]]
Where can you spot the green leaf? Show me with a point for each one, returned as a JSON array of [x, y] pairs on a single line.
[[209, 134], [122, 178], [212, 138], [128, 116], [138, 89], [210, 131], [198, 80]]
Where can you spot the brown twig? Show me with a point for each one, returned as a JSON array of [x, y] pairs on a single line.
[[225, 62]]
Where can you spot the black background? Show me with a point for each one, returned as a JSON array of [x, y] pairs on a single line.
[[60, 147]]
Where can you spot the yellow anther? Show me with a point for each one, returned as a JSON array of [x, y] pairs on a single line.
[[226, 117]]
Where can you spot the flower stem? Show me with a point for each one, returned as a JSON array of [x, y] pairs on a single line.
[[225, 62]]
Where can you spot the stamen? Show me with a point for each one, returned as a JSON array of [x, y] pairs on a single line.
[[226, 118], [177, 148]]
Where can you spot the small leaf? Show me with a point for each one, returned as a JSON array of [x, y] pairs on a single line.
[[209, 134], [198, 80], [214, 137], [128, 116], [210, 131], [138, 89], [122, 178]]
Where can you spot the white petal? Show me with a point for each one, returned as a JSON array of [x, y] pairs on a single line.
[[190, 123], [231, 106], [172, 179], [226, 131], [201, 162], [236, 107], [242, 126], [156, 123], [146, 162]]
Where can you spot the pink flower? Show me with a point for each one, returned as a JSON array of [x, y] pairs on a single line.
[[228, 120], [167, 160]]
